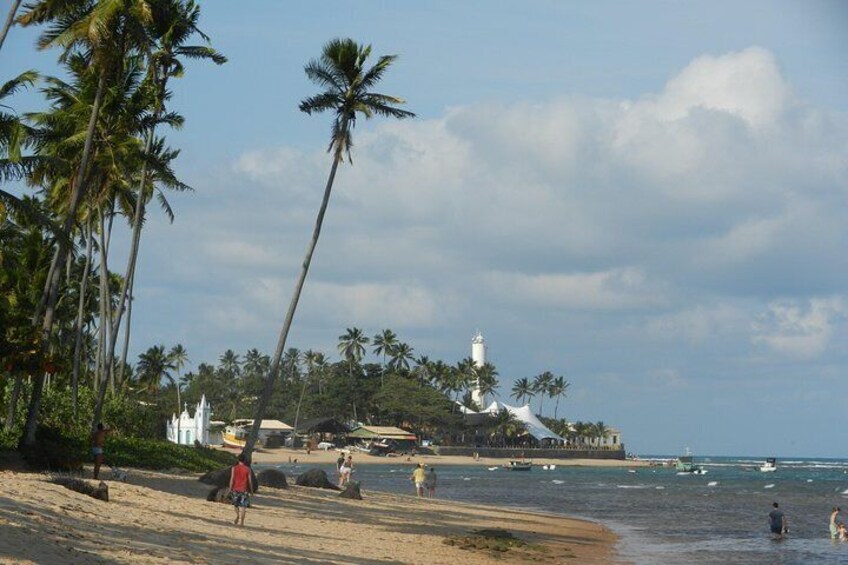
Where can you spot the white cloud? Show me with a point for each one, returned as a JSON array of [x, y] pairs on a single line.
[[610, 290], [800, 330]]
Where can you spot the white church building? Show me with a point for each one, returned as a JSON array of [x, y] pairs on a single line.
[[186, 429]]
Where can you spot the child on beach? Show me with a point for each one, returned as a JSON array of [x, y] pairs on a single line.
[[430, 483], [345, 470], [98, 438]]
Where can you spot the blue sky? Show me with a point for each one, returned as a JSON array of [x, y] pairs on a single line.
[[647, 198]]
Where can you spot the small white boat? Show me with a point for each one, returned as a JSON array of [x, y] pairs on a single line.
[[549, 467], [769, 466]]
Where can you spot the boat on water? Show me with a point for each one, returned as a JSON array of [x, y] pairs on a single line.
[[769, 466], [685, 465], [519, 465]]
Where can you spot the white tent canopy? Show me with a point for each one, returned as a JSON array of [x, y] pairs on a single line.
[[534, 427]]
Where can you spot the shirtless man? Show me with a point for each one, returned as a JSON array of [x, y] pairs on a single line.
[[98, 437]]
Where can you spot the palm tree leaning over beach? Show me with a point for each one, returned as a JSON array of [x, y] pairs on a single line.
[[340, 71], [541, 385]]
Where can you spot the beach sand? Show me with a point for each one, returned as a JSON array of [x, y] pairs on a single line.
[[164, 518], [282, 455]]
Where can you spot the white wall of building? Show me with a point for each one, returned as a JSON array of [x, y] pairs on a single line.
[[186, 429]]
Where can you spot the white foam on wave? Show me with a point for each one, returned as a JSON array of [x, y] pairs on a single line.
[[771, 485], [712, 483], [632, 486], [557, 482], [660, 488]]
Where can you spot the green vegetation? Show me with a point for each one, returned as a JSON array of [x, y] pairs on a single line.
[[93, 160]]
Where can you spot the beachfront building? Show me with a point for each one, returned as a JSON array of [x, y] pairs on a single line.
[[187, 429], [272, 433], [478, 355], [612, 440], [387, 435]]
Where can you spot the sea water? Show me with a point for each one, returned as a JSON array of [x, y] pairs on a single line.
[[662, 517]]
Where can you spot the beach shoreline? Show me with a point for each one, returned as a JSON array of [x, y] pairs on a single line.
[[164, 518], [282, 455]]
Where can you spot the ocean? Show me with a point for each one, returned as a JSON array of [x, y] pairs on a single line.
[[661, 517]]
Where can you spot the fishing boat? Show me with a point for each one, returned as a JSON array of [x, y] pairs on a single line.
[[769, 466], [519, 465], [685, 465], [235, 436]]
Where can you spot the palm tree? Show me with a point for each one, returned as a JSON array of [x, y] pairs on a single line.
[[522, 389], [104, 31], [541, 384], [423, 369], [401, 356], [153, 366], [340, 70], [505, 425], [487, 381], [9, 20], [384, 344], [352, 347], [600, 431], [557, 389]]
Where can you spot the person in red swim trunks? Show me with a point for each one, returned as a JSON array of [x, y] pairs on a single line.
[[241, 485]]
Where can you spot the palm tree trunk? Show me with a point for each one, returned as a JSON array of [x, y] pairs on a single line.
[[105, 299], [115, 325], [9, 20], [127, 327], [284, 333], [80, 318], [556, 408], [13, 403], [28, 439]]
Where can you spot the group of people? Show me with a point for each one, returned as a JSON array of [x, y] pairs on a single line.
[[779, 525], [837, 527], [425, 480]]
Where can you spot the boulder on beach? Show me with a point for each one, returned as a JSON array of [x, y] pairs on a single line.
[[221, 478], [219, 494], [315, 478], [273, 478], [351, 491], [100, 492]]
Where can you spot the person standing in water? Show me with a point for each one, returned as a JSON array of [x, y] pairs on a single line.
[[834, 522], [777, 522]]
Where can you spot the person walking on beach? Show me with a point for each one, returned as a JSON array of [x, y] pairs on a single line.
[[418, 477], [834, 522], [777, 522], [98, 438], [241, 485], [430, 483], [339, 464], [345, 470]]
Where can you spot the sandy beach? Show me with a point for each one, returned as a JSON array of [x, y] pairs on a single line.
[[284, 455], [164, 518]]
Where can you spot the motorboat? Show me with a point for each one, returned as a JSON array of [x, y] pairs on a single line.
[[769, 466], [685, 465], [519, 465]]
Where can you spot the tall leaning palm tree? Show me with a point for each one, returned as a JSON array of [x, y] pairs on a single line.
[[557, 389], [347, 85], [522, 389]]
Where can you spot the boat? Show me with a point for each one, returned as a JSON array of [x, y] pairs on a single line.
[[769, 466], [685, 465], [519, 465], [236, 436]]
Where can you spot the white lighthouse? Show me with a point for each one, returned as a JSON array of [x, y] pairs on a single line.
[[478, 355]]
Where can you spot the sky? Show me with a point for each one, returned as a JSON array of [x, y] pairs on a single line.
[[649, 199]]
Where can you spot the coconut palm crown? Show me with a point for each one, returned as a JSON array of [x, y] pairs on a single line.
[[340, 70]]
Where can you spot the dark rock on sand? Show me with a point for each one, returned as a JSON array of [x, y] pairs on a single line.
[[221, 478], [219, 494], [272, 478], [100, 492], [351, 491], [315, 478]]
